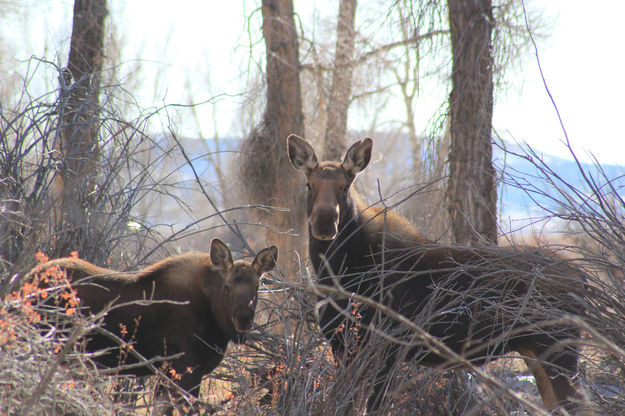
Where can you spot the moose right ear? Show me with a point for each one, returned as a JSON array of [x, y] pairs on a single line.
[[358, 156], [220, 254], [265, 260], [301, 154]]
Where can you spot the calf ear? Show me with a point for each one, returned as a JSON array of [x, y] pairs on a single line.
[[301, 154], [220, 254], [358, 156], [265, 260]]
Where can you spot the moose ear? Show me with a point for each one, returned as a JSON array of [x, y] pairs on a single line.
[[220, 254], [265, 260], [358, 156], [301, 154]]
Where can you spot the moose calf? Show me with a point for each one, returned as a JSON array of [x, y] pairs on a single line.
[[195, 304]]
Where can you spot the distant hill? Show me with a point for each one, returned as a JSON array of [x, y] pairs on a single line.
[[524, 192]]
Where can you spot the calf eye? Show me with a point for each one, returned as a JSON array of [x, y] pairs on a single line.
[[346, 189]]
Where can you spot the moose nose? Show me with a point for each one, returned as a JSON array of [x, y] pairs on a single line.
[[324, 223], [243, 319]]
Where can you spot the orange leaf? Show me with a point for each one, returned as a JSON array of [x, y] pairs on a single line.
[[41, 258]]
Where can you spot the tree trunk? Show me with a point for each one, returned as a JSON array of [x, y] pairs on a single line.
[[471, 191], [78, 146], [341, 90], [267, 174], [284, 102]]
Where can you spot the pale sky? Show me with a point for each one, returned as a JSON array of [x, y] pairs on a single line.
[[582, 62]]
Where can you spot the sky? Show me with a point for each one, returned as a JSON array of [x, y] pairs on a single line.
[[581, 60], [583, 65]]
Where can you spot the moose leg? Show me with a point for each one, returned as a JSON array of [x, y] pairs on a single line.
[[545, 388], [167, 398], [553, 378], [343, 358], [382, 381], [128, 389], [162, 404]]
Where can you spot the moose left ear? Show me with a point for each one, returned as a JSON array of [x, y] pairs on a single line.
[[265, 260], [358, 156], [220, 254]]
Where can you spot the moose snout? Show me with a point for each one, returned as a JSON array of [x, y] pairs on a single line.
[[243, 319], [324, 223]]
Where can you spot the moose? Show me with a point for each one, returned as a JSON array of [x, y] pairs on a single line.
[[473, 300], [192, 303]]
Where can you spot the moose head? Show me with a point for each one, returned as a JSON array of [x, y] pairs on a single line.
[[328, 183], [239, 285]]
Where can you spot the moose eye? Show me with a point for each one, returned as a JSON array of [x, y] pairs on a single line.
[[346, 189], [308, 187]]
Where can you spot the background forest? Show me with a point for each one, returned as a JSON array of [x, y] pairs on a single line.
[[97, 158]]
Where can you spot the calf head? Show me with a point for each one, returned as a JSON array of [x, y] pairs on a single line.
[[328, 183], [239, 285]]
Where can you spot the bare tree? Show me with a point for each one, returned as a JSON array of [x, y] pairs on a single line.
[[341, 91], [78, 149], [407, 76], [471, 191], [266, 172]]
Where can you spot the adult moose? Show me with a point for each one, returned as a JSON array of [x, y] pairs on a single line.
[[473, 300], [194, 303]]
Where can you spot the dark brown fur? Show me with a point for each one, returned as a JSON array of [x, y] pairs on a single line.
[[221, 298], [474, 300]]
